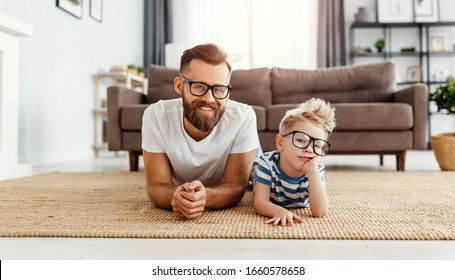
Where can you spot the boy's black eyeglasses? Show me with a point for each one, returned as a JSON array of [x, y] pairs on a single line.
[[302, 140], [200, 89]]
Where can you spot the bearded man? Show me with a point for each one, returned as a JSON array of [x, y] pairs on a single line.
[[198, 150]]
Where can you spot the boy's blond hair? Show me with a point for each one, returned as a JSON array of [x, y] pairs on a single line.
[[314, 110]]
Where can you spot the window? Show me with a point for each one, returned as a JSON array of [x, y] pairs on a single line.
[[255, 33]]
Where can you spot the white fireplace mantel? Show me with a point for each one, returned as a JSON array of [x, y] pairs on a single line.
[[10, 32]]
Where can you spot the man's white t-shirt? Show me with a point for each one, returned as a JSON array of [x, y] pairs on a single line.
[[205, 160]]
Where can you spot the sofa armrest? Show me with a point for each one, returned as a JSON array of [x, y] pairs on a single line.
[[117, 97], [417, 97]]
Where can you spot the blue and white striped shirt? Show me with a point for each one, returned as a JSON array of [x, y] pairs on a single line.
[[285, 191]]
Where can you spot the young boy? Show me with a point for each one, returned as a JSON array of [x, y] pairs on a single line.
[[293, 176]]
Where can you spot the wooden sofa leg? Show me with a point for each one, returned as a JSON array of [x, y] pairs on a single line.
[[401, 159], [134, 161], [381, 159]]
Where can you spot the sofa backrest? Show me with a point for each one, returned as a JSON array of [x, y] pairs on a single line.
[[161, 83], [359, 83], [252, 87]]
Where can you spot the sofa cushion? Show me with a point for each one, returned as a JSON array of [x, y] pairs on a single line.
[[366, 142], [252, 87], [161, 83], [131, 117], [274, 115], [261, 117], [373, 116], [355, 83], [356, 116]]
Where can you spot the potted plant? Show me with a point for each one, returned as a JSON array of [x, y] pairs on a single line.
[[379, 44], [444, 143]]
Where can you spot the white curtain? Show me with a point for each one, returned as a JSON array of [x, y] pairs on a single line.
[[255, 33]]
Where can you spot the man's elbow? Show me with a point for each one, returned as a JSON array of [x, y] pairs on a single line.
[[156, 199]]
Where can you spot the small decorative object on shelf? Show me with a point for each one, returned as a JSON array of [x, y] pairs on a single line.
[[408, 50], [444, 143], [364, 15], [413, 74], [379, 44], [437, 43], [130, 68], [360, 50]]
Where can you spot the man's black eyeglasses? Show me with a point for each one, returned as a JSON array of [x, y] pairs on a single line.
[[302, 140], [200, 89]]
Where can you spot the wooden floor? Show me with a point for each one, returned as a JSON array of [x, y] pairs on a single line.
[[213, 249]]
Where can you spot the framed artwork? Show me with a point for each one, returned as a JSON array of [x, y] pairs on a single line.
[[437, 44], [413, 74], [96, 10], [395, 11], [426, 10], [73, 7]]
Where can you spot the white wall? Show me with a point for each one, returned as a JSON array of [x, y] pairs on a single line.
[[57, 64]]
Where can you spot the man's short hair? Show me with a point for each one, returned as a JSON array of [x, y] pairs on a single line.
[[209, 53]]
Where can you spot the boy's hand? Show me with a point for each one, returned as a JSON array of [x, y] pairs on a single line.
[[311, 165], [284, 218]]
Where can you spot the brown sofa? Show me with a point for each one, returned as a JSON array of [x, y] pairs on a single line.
[[372, 116]]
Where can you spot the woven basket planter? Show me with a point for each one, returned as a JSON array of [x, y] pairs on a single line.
[[444, 150]]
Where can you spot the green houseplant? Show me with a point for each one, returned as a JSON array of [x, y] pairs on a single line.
[[444, 143], [379, 44]]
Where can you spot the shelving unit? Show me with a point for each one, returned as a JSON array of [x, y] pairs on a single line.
[[127, 79], [422, 53]]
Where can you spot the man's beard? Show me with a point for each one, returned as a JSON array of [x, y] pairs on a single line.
[[202, 122]]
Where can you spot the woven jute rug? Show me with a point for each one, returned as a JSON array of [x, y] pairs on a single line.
[[363, 205]]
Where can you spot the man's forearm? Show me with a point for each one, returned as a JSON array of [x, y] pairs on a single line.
[[161, 195], [224, 196]]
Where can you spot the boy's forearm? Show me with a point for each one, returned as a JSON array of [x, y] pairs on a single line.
[[266, 208], [318, 196]]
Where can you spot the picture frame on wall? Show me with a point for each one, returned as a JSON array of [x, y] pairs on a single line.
[[413, 74], [73, 7], [395, 11], [426, 10], [96, 10]]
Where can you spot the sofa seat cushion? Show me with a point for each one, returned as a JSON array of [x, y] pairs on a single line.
[[131, 117], [345, 142], [356, 116]]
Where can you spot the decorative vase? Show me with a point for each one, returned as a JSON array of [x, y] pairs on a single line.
[[444, 150]]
